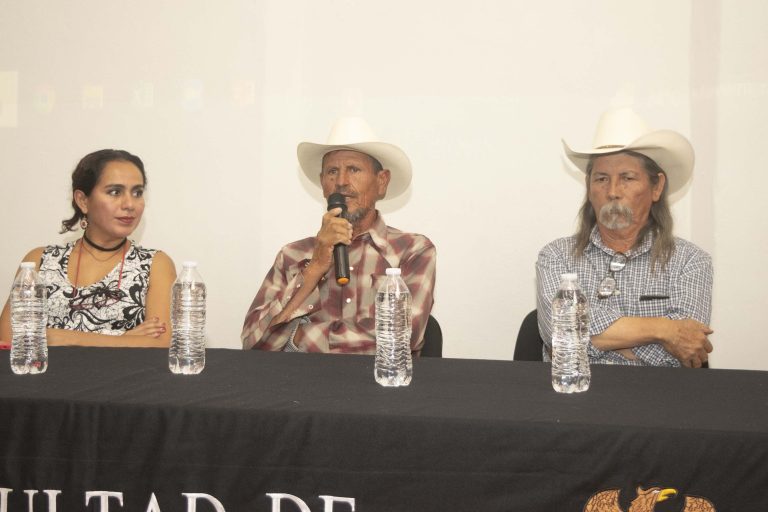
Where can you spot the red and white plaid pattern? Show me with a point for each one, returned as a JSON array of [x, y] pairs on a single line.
[[338, 318]]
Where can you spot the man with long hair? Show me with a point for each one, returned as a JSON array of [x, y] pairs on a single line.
[[649, 292]]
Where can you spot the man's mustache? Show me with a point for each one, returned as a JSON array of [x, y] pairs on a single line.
[[615, 216], [345, 192], [616, 209]]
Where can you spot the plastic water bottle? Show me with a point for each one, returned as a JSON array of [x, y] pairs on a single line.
[[187, 352], [29, 347], [570, 337], [394, 366]]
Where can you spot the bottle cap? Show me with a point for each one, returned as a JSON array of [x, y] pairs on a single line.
[[27, 264], [393, 271], [189, 264]]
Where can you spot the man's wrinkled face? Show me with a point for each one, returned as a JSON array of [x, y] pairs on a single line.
[[352, 174], [621, 192]]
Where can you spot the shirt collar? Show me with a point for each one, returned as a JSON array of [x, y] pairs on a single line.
[[377, 236], [644, 246], [377, 233]]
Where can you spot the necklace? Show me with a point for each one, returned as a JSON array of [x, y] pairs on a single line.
[[104, 249], [77, 268], [84, 247]]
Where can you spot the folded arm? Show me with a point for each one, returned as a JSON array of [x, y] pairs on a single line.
[[686, 339], [682, 331]]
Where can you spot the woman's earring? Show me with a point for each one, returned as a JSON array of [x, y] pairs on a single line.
[[84, 222]]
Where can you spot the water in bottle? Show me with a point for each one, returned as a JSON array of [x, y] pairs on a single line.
[[570, 337], [187, 352], [394, 366], [29, 345]]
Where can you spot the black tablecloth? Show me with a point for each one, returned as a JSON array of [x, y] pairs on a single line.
[[465, 435]]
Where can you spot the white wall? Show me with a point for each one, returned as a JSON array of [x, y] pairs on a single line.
[[739, 185], [215, 97]]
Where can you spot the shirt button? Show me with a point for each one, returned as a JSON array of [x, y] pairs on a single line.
[[311, 306], [351, 268], [348, 300], [298, 285]]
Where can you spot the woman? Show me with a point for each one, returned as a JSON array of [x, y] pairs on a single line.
[[103, 289]]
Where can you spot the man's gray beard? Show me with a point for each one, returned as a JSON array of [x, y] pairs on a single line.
[[615, 216], [357, 215]]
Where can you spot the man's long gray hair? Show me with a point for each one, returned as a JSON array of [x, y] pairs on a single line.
[[659, 223]]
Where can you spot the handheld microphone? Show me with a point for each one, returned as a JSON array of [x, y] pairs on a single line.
[[340, 256]]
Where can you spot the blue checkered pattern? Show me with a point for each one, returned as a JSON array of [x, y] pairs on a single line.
[[683, 289]]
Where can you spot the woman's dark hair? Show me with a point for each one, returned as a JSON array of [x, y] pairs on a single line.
[[87, 174]]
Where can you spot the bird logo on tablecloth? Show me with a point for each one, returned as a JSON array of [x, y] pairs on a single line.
[[646, 500]]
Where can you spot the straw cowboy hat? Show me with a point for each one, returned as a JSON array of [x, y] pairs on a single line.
[[622, 129], [354, 134]]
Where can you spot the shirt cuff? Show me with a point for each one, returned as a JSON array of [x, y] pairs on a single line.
[[655, 355], [600, 320]]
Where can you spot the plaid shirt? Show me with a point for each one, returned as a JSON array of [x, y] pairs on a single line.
[[683, 289], [337, 318]]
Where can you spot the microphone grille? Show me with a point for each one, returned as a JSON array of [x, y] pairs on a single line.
[[337, 200]]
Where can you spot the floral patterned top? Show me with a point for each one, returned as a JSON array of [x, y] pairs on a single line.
[[101, 307]]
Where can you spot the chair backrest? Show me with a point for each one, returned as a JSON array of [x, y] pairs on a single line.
[[433, 339], [529, 343]]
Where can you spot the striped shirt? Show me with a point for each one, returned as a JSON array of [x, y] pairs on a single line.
[[336, 318], [682, 289]]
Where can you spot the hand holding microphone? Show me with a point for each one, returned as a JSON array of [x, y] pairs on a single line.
[[340, 256]]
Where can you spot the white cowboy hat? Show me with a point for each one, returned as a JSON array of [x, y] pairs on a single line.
[[354, 134], [622, 129]]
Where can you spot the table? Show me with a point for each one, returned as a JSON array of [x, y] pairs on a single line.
[[307, 432]]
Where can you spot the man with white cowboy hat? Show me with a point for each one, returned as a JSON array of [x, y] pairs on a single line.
[[649, 292], [300, 306]]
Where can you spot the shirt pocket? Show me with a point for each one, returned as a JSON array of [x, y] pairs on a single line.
[[655, 299]]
